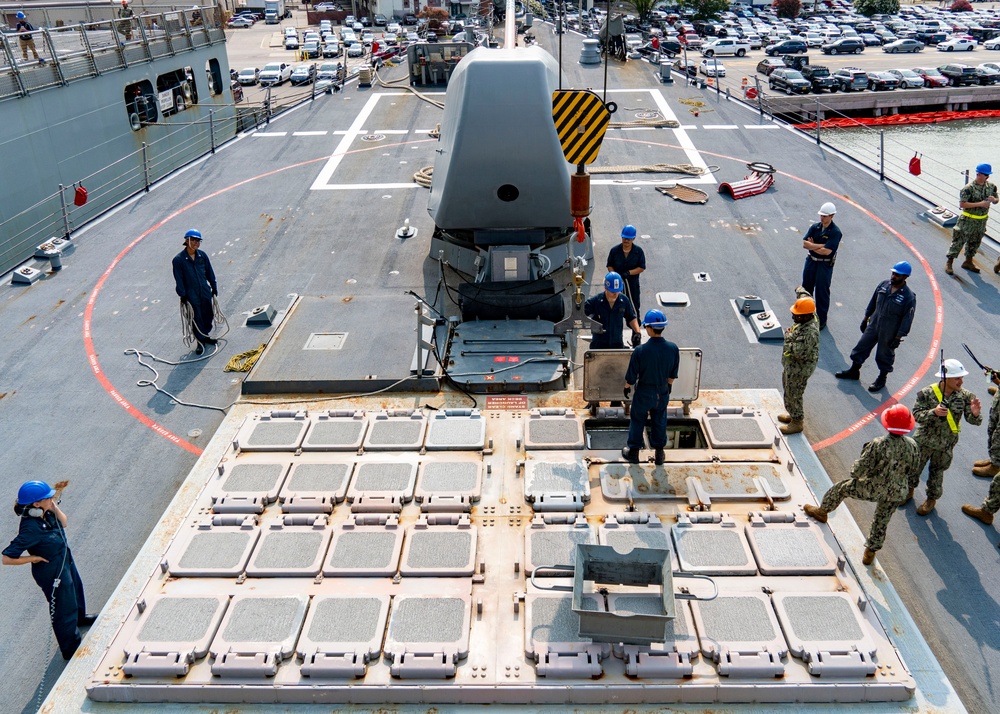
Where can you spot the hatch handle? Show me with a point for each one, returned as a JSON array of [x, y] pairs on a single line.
[[569, 570], [689, 596]]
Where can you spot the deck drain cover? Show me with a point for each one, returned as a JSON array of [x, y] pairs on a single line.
[[373, 137], [647, 115]]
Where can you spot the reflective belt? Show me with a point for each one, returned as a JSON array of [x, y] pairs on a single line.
[[973, 215], [955, 427]]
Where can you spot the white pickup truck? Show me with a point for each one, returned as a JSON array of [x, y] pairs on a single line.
[[725, 46], [275, 73]]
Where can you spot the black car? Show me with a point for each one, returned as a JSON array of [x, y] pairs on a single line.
[[851, 79], [820, 78], [766, 66], [409, 20], [987, 75], [844, 46], [959, 75], [786, 47], [879, 81], [788, 80]]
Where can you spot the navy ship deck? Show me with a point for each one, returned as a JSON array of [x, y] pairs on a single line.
[[271, 235]]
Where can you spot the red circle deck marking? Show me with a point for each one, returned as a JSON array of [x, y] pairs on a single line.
[[88, 340], [931, 357]]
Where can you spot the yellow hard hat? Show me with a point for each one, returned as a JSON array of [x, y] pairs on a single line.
[[804, 306]]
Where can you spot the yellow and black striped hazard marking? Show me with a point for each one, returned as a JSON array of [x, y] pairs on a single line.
[[581, 120]]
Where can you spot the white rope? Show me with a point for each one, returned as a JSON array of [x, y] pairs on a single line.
[[139, 354], [188, 326]]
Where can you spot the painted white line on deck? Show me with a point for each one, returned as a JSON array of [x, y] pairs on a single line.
[[761, 126], [310, 133], [719, 126], [391, 131], [357, 186], [271, 133], [693, 155], [326, 173]]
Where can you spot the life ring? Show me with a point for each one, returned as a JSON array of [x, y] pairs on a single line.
[[761, 167]]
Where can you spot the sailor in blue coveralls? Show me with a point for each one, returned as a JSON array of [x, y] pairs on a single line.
[[42, 534], [652, 369], [628, 260], [195, 284], [611, 308], [821, 240], [887, 321]]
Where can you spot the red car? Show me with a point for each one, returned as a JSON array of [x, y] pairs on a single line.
[[931, 76]]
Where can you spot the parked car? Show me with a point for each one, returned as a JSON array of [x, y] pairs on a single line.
[[788, 80], [931, 77], [381, 21], [957, 43], [311, 49], [688, 67], [844, 46], [993, 44], [248, 76], [275, 73], [355, 50], [907, 78], [851, 79], [959, 75], [240, 21], [881, 81], [786, 47], [410, 20], [690, 39], [327, 70], [906, 44], [237, 91], [291, 42], [768, 65], [871, 40], [711, 67], [331, 48], [303, 74], [725, 46], [988, 74], [820, 78]]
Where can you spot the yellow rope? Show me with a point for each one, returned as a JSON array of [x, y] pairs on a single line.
[[244, 361]]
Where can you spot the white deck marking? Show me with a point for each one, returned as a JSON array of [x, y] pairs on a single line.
[[761, 126], [271, 133], [719, 126], [310, 133], [326, 173]]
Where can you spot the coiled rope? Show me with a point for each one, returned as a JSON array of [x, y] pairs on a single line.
[[244, 361], [188, 326]]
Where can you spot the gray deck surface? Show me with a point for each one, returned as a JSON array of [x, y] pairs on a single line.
[[269, 235]]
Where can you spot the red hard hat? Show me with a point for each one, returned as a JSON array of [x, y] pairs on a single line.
[[898, 420]]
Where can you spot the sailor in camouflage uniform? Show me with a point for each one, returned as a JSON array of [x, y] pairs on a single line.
[[939, 410], [974, 200], [798, 360], [879, 475], [990, 466]]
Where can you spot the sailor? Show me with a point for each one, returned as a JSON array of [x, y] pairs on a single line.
[[610, 308], [651, 369], [798, 360], [26, 39], [42, 534], [887, 321], [939, 410], [879, 476], [821, 240], [126, 14], [196, 286], [991, 467], [974, 200], [629, 261]]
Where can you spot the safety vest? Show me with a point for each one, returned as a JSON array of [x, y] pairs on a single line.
[[955, 426]]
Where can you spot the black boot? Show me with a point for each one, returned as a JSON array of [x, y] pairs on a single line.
[[659, 457], [879, 384], [631, 456], [853, 373]]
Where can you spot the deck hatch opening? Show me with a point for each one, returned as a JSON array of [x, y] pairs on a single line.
[[325, 341]]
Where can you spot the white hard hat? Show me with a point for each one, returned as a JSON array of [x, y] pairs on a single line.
[[953, 368], [827, 209]]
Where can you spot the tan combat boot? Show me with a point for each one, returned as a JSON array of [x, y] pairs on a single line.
[[925, 508], [869, 556], [785, 418], [792, 427], [816, 512], [983, 462], [949, 267], [980, 514], [986, 471], [970, 265]]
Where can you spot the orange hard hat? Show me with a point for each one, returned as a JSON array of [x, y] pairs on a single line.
[[804, 306], [898, 420]]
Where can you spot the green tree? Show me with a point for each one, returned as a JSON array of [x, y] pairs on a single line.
[[961, 6], [787, 8], [874, 7], [705, 9], [643, 8]]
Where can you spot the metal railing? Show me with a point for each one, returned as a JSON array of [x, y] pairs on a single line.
[[53, 56]]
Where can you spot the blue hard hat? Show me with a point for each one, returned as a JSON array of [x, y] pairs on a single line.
[[20, 16], [902, 268], [655, 318], [193, 234], [33, 492], [613, 283], [628, 232], [984, 169]]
